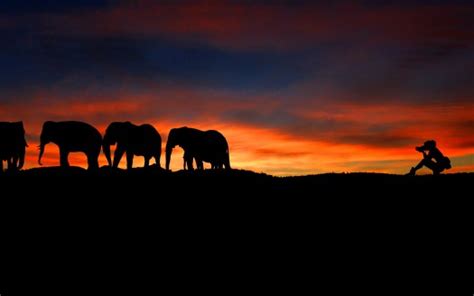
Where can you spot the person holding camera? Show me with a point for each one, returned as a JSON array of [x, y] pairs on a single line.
[[432, 159]]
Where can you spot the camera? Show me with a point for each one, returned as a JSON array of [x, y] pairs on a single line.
[[420, 148]]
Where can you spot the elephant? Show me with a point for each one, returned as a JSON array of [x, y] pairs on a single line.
[[209, 146], [188, 158], [13, 145], [142, 140], [72, 136]]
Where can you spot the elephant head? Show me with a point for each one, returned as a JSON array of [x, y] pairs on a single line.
[[176, 136], [47, 134], [114, 133]]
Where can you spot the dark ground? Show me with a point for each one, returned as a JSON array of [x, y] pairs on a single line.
[[149, 231], [162, 184]]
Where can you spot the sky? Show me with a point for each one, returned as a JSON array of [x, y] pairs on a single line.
[[297, 87]]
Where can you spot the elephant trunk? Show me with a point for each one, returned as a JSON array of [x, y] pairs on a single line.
[[106, 148], [22, 158], [41, 147], [168, 156]]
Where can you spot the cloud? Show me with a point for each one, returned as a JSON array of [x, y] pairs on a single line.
[[257, 25], [75, 62], [297, 86], [279, 139], [419, 52]]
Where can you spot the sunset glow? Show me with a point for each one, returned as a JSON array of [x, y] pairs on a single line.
[[297, 87]]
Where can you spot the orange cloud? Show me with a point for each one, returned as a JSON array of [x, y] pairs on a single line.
[[274, 152], [450, 123], [358, 137]]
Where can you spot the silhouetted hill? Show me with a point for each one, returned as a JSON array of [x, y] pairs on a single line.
[[226, 183], [153, 171], [121, 226]]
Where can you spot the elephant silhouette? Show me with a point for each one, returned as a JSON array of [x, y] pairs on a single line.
[[142, 140], [209, 146], [12, 145], [72, 136], [188, 159]]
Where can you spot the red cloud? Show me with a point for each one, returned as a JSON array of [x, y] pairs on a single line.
[[276, 26], [247, 25]]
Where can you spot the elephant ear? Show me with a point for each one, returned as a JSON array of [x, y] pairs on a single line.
[[117, 132]]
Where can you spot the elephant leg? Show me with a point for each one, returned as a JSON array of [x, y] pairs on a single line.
[[129, 160], [63, 155], [10, 164], [157, 160], [186, 157], [189, 162], [118, 156], [16, 161], [147, 161], [13, 163], [93, 162]]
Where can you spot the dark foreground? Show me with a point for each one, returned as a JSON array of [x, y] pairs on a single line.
[[160, 184], [143, 232]]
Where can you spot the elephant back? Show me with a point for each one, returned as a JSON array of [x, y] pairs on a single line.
[[144, 140], [216, 140], [213, 147], [145, 134], [73, 134], [79, 129]]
